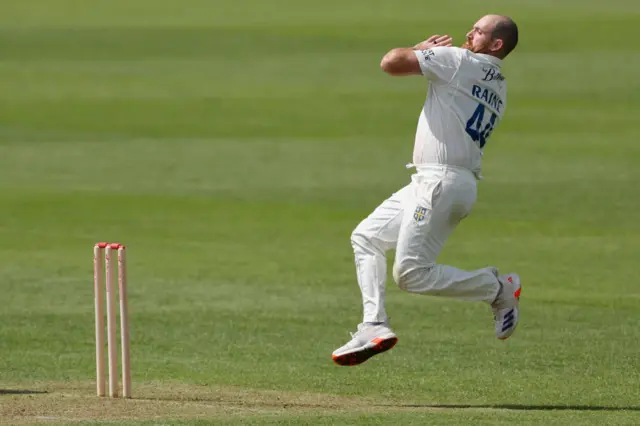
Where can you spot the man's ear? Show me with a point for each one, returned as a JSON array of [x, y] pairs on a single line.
[[497, 44]]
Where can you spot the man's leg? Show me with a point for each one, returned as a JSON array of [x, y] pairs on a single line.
[[371, 239], [440, 202]]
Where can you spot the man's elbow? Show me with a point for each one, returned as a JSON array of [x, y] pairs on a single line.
[[398, 62], [389, 62]]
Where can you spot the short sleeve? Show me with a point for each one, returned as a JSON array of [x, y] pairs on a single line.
[[439, 63]]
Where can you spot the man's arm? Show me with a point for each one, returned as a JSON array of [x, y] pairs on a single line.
[[403, 61]]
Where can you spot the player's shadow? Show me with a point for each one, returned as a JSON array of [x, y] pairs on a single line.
[[523, 407], [20, 392]]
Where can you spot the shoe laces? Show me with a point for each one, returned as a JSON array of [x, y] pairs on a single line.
[[498, 295], [354, 334], [363, 326]]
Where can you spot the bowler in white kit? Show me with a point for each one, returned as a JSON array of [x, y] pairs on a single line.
[[465, 103]]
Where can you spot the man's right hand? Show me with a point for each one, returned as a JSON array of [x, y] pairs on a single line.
[[403, 60], [433, 41]]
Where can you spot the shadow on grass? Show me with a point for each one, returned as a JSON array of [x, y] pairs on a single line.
[[20, 392], [521, 407]]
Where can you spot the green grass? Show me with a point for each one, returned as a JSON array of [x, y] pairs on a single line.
[[234, 145]]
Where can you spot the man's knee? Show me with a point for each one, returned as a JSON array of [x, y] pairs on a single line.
[[402, 274], [362, 239], [359, 238], [408, 275]]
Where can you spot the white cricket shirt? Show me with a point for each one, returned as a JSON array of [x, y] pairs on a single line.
[[466, 99]]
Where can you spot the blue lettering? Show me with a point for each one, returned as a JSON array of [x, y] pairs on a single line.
[[477, 129], [490, 97]]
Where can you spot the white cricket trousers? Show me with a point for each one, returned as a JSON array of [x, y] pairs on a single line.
[[416, 221]]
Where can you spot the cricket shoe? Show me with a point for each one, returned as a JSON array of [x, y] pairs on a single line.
[[506, 311], [368, 341]]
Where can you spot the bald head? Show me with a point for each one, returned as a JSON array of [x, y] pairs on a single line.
[[505, 29], [494, 35]]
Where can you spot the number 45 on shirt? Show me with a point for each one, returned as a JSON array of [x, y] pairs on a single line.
[[477, 129]]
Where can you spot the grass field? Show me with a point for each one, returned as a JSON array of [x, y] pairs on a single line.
[[233, 145]]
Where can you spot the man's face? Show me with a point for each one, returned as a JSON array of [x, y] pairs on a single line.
[[479, 39]]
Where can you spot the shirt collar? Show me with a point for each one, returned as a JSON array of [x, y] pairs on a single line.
[[491, 58]]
